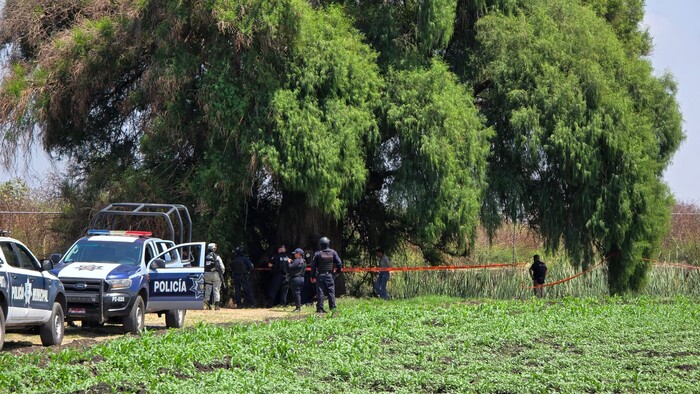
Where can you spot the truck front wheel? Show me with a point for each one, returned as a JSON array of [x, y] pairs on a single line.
[[175, 319], [51, 332], [135, 321]]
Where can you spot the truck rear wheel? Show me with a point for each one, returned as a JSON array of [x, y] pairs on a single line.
[[2, 328], [135, 321], [51, 332], [175, 319]]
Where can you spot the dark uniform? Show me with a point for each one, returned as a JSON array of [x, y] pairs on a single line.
[[538, 272], [279, 280], [241, 267], [297, 269], [326, 263]]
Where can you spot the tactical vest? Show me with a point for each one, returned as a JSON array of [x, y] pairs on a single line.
[[325, 260], [210, 263], [279, 264], [238, 266]]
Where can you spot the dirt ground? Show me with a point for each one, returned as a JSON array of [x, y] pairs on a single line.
[[78, 336]]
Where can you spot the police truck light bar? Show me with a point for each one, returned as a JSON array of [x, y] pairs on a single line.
[[120, 232]]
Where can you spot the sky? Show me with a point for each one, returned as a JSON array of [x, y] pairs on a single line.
[[676, 36], [676, 33]]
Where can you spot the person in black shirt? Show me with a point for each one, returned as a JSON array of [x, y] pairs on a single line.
[[296, 270], [279, 281], [241, 267], [538, 272]]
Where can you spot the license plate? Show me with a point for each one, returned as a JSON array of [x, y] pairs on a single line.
[[76, 311]]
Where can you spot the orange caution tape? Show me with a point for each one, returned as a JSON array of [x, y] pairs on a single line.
[[425, 268], [656, 262], [558, 282], [571, 277], [489, 266], [431, 268]]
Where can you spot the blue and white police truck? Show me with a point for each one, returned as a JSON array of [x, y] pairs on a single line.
[[30, 296], [117, 276]]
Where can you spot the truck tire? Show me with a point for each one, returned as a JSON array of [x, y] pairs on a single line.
[[51, 332], [175, 319], [2, 328], [135, 321]]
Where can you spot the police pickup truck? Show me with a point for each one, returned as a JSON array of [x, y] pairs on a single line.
[[116, 276], [30, 296]]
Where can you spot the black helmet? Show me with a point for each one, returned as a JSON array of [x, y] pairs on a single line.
[[324, 242], [239, 250]]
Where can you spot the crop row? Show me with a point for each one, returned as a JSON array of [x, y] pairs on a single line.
[[427, 344]]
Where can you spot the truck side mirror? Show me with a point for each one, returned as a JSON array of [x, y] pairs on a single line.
[[157, 263], [46, 265], [55, 258]]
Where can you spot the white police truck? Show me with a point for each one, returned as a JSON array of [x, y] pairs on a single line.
[[30, 296], [117, 276]]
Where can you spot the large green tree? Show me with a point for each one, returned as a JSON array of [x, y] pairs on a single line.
[[370, 121], [268, 117], [584, 133]]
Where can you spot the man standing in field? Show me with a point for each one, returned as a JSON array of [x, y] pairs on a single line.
[[383, 278], [538, 272], [325, 264]]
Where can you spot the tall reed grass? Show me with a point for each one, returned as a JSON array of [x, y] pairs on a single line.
[[508, 283]]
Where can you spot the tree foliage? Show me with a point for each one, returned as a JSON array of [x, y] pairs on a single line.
[[584, 132], [370, 122]]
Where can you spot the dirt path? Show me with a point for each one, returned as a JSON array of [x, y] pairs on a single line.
[[78, 336]]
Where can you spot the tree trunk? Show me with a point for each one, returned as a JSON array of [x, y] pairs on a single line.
[[301, 226]]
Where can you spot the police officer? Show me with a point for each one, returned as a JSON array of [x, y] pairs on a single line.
[[213, 277], [241, 267], [325, 265], [296, 270], [279, 281], [538, 272]]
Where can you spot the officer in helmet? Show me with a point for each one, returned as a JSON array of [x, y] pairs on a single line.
[[213, 277], [325, 265], [241, 267]]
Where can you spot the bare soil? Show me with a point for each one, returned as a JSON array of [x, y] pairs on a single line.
[[85, 337]]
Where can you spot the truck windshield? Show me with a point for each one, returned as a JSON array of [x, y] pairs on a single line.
[[104, 252]]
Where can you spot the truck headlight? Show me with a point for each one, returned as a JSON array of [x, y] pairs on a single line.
[[116, 284]]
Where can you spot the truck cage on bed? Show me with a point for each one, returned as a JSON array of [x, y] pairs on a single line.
[[120, 216]]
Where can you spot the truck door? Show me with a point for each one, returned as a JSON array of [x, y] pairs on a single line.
[[37, 292], [28, 292], [174, 286]]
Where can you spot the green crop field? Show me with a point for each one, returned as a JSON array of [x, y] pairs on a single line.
[[425, 344]]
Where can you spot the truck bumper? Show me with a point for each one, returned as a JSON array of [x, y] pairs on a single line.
[[91, 301]]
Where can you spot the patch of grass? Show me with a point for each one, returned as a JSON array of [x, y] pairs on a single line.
[[428, 344]]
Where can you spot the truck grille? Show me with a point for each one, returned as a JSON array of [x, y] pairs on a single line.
[[84, 286], [84, 291]]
